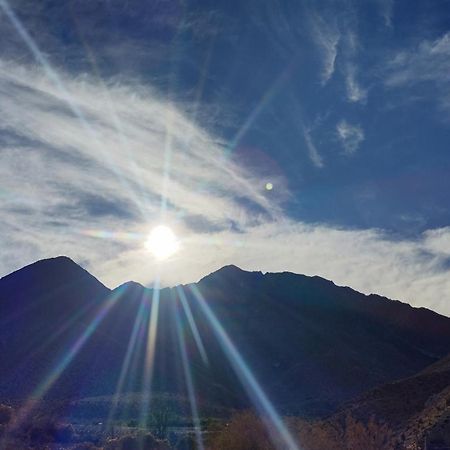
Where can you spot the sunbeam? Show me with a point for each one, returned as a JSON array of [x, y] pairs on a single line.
[[137, 326], [57, 81], [275, 425], [67, 358], [61, 329], [150, 353], [192, 324], [188, 378]]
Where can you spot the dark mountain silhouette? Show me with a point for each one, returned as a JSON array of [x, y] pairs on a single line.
[[311, 344]]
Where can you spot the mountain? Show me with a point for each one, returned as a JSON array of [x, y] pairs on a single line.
[[412, 413], [312, 345], [44, 308]]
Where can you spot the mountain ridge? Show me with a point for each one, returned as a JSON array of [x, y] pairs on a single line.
[[312, 344]]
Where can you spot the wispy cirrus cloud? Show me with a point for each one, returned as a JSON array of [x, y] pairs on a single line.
[[313, 152], [107, 167], [355, 92], [333, 36], [429, 62], [350, 135], [326, 35]]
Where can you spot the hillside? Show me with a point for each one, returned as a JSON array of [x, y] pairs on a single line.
[[413, 414], [311, 344]]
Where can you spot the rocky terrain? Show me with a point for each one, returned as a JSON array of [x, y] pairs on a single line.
[[410, 414]]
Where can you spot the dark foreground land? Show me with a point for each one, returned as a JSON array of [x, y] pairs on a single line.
[[344, 370]]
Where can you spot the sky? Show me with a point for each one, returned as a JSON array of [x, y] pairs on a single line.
[[120, 115]]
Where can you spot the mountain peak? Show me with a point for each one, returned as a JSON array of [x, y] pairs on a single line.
[[45, 264], [230, 268], [130, 285], [60, 270], [227, 272]]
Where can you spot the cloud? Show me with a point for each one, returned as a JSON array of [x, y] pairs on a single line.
[[314, 154], [330, 40], [106, 168], [428, 63], [350, 136], [355, 92], [437, 241], [366, 260], [92, 189], [326, 35]]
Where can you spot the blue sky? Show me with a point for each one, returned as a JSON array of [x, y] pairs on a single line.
[[108, 106]]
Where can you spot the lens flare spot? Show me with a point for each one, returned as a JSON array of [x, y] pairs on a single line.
[[269, 186], [162, 242]]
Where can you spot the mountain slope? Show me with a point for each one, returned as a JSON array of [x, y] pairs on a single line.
[[311, 344], [44, 308], [320, 344], [413, 413]]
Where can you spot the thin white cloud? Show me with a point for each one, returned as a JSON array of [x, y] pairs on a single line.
[[429, 62], [62, 175], [366, 260], [355, 92], [313, 152], [335, 34], [326, 35], [350, 136], [93, 194]]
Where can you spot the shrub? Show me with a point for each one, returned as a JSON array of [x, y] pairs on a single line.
[[244, 432]]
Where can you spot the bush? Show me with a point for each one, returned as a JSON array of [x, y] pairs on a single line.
[[244, 432]]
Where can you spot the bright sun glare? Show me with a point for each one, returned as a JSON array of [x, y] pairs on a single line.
[[162, 242]]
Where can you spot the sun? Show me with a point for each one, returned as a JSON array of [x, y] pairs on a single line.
[[162, 242]]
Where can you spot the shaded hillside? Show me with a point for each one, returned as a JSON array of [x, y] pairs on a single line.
[[44, 308], [311, 344], [413, 414]]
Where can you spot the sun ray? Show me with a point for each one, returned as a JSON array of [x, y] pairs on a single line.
[[138, 323], [272, 419], [57, 81], [59, 332], [189, 380], [45, 385], [150, 353], [192, 324]]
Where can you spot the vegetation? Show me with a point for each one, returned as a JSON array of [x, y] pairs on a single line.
[[245, 431]]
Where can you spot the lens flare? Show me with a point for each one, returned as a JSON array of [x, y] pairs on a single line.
[[192, 324], [280, 435], [189, 382]]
